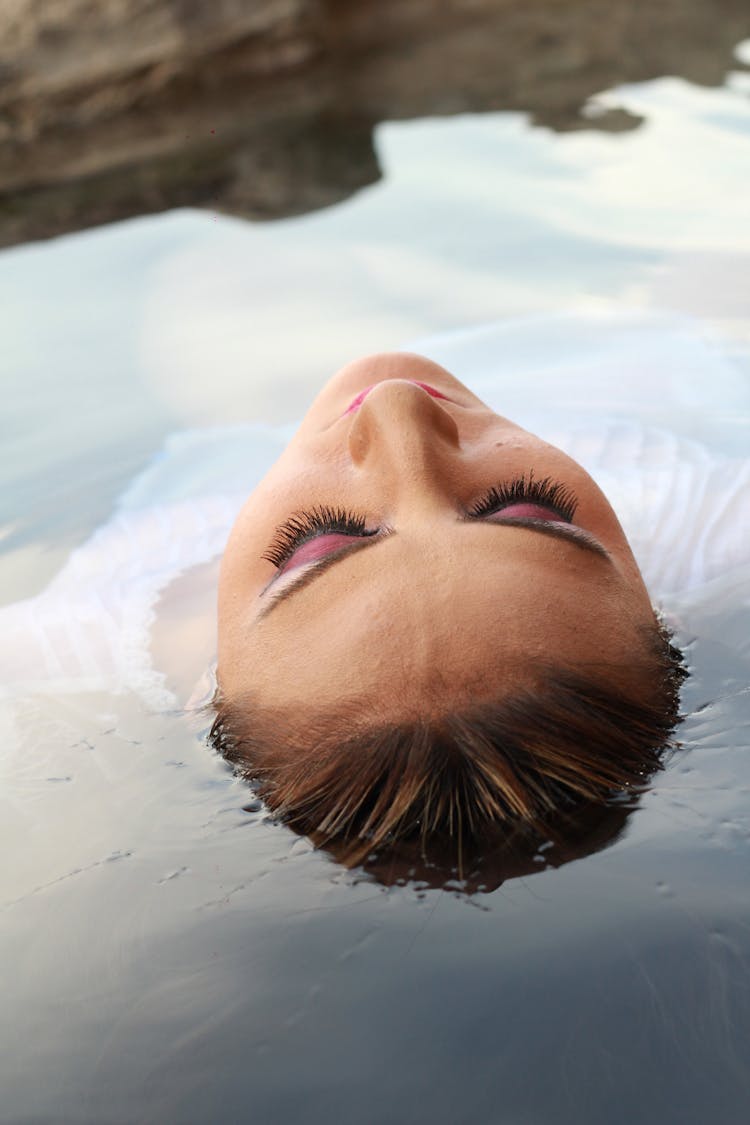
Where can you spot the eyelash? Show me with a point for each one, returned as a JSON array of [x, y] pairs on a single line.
[[324, 520], [524, 490], [303, 526]]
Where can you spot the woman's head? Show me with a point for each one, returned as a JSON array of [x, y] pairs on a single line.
[[413, 557]]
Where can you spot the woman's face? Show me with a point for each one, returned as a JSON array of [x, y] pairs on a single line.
[[416, 550]]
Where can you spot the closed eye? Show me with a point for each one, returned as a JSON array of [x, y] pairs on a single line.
[[319, 547], [310, 535], [555, 529], [525, 510], [550, 498]]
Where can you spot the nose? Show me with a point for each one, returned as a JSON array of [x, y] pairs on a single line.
[[402, 430]]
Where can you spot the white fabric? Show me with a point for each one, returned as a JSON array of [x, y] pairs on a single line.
[[651, 407]]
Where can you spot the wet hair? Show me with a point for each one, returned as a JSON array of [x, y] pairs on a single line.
[[503, 774]]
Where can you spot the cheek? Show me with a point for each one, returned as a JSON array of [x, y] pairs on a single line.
[[243, 571]]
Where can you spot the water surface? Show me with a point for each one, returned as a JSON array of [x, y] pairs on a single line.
[[169, 955]]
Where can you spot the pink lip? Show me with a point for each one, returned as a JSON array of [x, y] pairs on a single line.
[[357, 402]]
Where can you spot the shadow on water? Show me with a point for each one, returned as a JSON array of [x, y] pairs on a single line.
[[268, 111], [591, 829]]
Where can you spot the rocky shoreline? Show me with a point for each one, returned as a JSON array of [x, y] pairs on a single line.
[[116, 108]]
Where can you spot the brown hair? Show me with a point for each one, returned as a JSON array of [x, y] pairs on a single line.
[[496, 774]]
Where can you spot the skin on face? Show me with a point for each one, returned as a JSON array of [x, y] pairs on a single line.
[[436, 608]]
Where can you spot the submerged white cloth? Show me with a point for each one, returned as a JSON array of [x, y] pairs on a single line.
[[651, 406]]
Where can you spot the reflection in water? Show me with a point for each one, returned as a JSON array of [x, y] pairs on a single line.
[[594, 828], [270, 113]]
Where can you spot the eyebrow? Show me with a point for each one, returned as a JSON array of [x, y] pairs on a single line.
[[569, 533]]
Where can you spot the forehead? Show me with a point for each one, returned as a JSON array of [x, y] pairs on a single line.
[[414, 620]]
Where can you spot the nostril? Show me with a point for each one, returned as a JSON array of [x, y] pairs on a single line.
[[359, 443], [399, 414]]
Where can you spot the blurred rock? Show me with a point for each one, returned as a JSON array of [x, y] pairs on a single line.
[[114, 108]]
